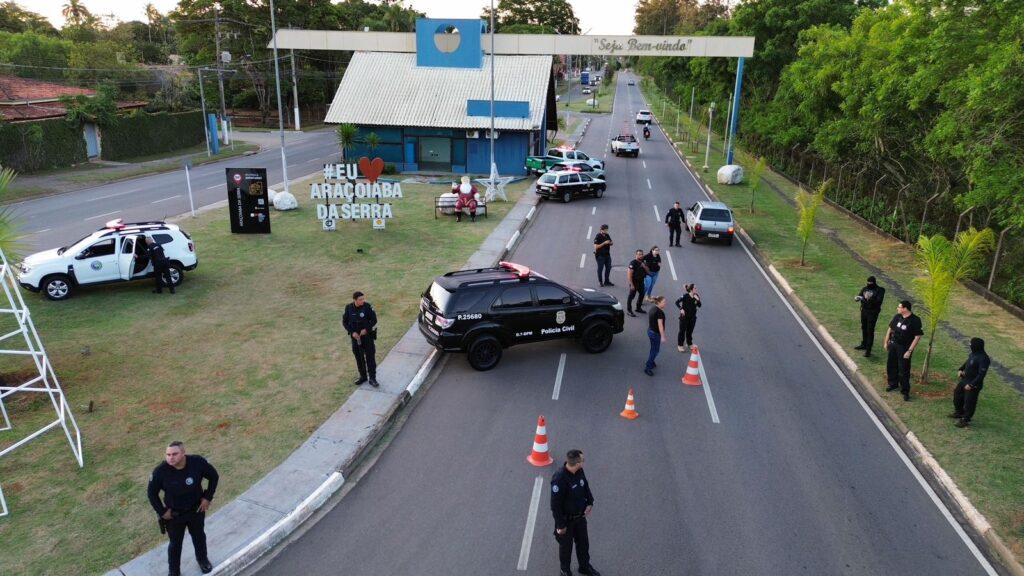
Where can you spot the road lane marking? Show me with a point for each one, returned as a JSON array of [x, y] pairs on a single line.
[[657, 217], [558, 377], [943, 509], [102, 215], [113, 195], [593, 210], [166, 199], [583, 258], [590, 229], [531, 523], [707, 393], [214, 186], [671, 266], [649, 184], [40, 231], [644, 163]]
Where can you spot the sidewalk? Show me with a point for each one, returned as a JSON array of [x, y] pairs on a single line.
[[242, 530]]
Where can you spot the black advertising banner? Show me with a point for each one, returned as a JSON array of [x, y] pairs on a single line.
[[247, 200]]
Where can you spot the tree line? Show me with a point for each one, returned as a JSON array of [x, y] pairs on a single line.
[[913, 108]]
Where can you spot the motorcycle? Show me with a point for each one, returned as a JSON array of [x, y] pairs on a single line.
[[647, 133]]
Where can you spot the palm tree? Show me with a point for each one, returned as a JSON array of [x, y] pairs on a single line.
[[946, 263], [346, 134], [397, 18], [808, 204], [75, 12], [372, 142], [9, 237], [153, 16]]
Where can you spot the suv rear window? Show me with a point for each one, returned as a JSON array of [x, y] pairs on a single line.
[[715, 215], [162, 238], [548, 178], [440, 297]]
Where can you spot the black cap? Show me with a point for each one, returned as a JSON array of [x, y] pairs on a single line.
[[604, 226], [871, 279], [906, 304]]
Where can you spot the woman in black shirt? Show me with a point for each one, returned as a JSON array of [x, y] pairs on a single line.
[[687, 305], [655, 332]]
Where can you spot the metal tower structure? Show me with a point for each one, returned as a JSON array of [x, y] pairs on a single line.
[[23, 343]]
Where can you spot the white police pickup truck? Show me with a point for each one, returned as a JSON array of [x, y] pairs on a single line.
[[114, 253]]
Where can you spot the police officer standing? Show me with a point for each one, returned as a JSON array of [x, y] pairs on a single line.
[[870, 298], [161, 271], [360, 322], [635, 274], [571, 502], [185, 503], [901, 340], [603, 255], [674, 221], [972, 378]]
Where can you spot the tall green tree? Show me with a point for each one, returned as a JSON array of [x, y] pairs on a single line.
[[50, 55], [14, 18], [659, 17], [947, 263], [10, 238], [556, 15], [75, 12]]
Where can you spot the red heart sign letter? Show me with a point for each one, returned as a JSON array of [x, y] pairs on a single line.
[[371, 169]]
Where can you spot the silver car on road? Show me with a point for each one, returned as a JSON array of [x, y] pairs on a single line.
[[712, 220]]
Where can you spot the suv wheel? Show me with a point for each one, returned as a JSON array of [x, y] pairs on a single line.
[[597, 337], [484, 352], [566, 197], [176, 272], [599, 193], [57, 287]]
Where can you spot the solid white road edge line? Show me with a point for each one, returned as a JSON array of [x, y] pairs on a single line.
[[102, 215], [878, 423], [657, 217], [671, 266], [707, 393], [590, 230], [166, 199], [215, 186], [531, 523], [558, 377], [583, 259], [421, 374]]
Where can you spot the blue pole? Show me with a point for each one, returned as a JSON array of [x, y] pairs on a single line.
[[735, 111]]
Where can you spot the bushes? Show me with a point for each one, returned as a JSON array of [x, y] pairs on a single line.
[[33, 146], [141, 134]]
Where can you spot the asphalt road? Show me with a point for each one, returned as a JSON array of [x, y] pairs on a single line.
[[789, 474], [58, 220]]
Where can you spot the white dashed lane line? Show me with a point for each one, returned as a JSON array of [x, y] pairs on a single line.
[[645, 164], [593, 210], [671, 266], [657, 217], [649, 184], [113, 195], [583, 258], [590, 230], [531, 523], [166, 199], [40, 231], [214, 186], [102, 215], [558, 378]]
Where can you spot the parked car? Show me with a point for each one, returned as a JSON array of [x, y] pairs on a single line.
[[541, 164], [483, 311], [631, 83], [577, 166], [568, 184], [644, 117], [114, 253], [587, 91], [625, 144], [712, 220]]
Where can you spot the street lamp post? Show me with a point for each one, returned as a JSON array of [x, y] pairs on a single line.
[[707, 148], [202, 103], [280, 108]]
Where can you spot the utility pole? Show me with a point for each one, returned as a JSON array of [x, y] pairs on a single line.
[[295, 94], [280, 107], [220, 76]]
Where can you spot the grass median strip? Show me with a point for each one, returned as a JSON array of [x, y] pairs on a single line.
[[986, 460], [243, 363]]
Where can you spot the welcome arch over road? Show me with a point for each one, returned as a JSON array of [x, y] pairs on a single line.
[[740, 47]]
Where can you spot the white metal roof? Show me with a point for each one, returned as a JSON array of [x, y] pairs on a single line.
[[388, 89]]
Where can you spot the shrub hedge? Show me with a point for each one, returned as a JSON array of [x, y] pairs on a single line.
[[33, 146], [141, 134]]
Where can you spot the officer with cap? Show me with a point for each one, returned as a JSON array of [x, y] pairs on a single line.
[[972, 378], [571, 502], [901, 340], [161, 269], [360, 322], [180, 478], [870, 298]]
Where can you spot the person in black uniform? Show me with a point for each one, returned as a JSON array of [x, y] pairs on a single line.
[[360, 322], [571, 503], [653, 262], [870, 298], [901, 340], [185, 503], [603, 255], [161, 271], [655, 333], [972, 378], [674, 221], [635, 274], [687, 305]]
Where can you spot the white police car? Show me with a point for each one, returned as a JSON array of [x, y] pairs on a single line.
[[114, 253]]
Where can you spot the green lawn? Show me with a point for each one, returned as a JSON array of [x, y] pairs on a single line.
[[986, 460], [243, 363]]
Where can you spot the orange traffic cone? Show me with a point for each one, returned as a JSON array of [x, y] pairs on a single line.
[[539, 456], [692, 377], [629, 412]]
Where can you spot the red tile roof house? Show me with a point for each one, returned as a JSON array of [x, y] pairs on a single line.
[[25, 99]]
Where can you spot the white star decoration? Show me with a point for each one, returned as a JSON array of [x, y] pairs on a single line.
[[495, 185]]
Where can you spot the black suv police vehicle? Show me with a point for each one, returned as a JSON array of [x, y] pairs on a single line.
[[485, 310]]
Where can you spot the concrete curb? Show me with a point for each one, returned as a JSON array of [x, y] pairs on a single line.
[[937, 477], [256, 521]]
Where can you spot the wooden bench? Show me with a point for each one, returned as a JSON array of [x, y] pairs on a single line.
[[446, 205]]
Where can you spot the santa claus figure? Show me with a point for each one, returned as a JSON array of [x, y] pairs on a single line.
[[468, 198]]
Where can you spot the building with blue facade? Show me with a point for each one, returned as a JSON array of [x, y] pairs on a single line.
[[431, 110]]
